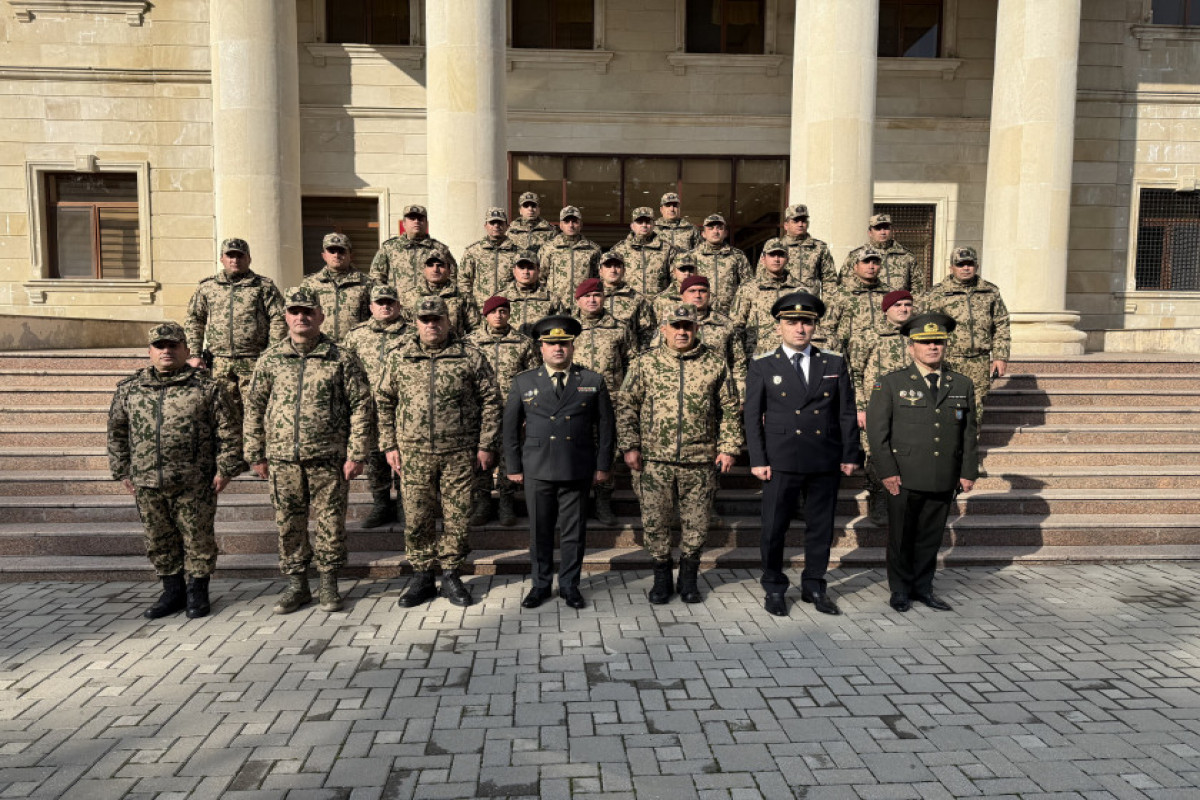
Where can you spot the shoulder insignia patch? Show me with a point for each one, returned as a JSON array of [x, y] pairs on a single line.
[[877, 386], [764, 355]]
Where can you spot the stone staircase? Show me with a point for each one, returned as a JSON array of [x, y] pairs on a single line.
[[1093, 458]]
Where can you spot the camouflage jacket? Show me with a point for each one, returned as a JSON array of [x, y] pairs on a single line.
[[720, 334], [604, 346], [566, 263], [681, 408], [530, 305], [647, 263], [509, 353], [982, 317], [173, 430], [875, 356], [726, 268], [345, 299], [438, 401], [400, 260], [811, 263], [372, 340], [854, 311], [238, 319], [630, 306], [464, 314], [308, 406], [681, 233], [486, 267], [665, 302], [900, 269], [752, 310], [531, 235]]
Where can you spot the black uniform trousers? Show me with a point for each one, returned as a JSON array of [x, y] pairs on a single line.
[[917, 521], [551, 505], [780, 494]]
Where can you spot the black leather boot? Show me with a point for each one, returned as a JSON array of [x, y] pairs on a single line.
[[421, 589], [172, 600], [383, 510], [689, 568], [197, 597], [664, 586]]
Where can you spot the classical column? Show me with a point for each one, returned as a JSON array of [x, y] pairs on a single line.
[[833, 118], [256, 132], [1027, 211], [465, 116]]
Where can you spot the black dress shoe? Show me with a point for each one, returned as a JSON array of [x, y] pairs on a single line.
[[537, 596], [900, 602], [572, 597], [933, 601], [821, 602], [776, 604]]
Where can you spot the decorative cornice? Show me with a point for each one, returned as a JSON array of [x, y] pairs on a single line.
[[725, 62], [15, 73], [403, 56], [921, 67], [598, 59], [38, 288], [1147, 35], [133, 11]]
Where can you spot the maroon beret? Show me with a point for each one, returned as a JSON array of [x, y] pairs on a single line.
[[891, 298], [693, 280], [494, 302], [588, 286]]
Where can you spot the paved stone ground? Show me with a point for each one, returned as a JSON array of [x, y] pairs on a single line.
[[1052, 682]]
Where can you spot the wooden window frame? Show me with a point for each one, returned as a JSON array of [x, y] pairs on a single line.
[[1148, 5], [943, 38], [597, 32], [1138, 219], [416, 26], [53, 204]]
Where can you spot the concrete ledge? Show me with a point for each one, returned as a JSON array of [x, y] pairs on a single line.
[[61, 333]]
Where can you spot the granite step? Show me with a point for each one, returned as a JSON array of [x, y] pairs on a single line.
[[120, 359], [1050, 382], [94, 379], [1107, 363], [1101, 435], [1006, 399], [1115, 457]]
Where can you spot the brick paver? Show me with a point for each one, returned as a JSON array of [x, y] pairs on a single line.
[[1063, 682]]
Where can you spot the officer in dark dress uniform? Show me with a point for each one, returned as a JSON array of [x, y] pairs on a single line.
[[559, 435], [922, 431], [802, 434]]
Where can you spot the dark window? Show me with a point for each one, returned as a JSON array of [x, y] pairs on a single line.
[[726, 26], [1168, 241], [368, 21], [553, 24], [913, 227], [1175, 12], [357, 217], [93, 225], [749, 192], [910, 28]]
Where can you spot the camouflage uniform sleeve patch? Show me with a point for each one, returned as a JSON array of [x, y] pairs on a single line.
[[877, 386]]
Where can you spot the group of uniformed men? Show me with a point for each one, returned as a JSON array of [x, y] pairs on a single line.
[[669, 347]]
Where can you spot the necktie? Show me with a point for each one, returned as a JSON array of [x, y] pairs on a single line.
[[558, 384], [798, 363], [933, 382]]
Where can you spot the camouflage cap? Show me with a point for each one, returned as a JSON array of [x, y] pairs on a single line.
[[963, 255], [336, 240], [870, 253], [558, 328], [300, 297], [435, 257], [430, 306], [569, 211], [613, 255], [384, 293], [415, 211], [167, 332], [642, 212], [668, 198], [526, 257], [685, 263], [495, 212], [880, 219], [235, 246], [685, 313], [528, 197], [775, 246], [795, 211], [714, 219], [798, 305], [929, 327]]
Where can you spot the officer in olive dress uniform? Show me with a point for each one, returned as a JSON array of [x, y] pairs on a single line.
[[921, 427], [802, 434], [559, 435]]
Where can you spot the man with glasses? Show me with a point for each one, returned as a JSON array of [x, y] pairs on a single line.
[[530, 231], [486, 266], [725, 266], [899, 266], [400, 259], [673, 226], [647, 255], [568, 258], [809, 259], [343, 291]]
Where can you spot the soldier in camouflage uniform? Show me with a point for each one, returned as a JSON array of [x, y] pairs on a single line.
[[647, 255], [677, 416], [809, 259], [343, 291], [666, 301], [435, 282], [529, 297], [400, 259], [712, 327], [980, 344], [605, 345], [673, 226], [568, 258], [854, 313], [752, 318], [439, 417], [530, 231], [900, 267], [235, 314], [308, 428], [509, 352], [371, 342], [872, 357], [174, 442], [725, 266], [486, 266], [624, 302]]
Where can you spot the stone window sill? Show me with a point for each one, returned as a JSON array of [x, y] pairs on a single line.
[[404, 56], [39, 288], [721, 62], [921, 67], [134, 11], [1147, 35], [528, 55]]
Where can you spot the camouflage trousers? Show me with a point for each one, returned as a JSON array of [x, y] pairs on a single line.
[[979, 370], [874, 484], [380, 477], [484, 481], [422, 476], [236, 373], [178, 528], [297, 487], [662, 489]]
